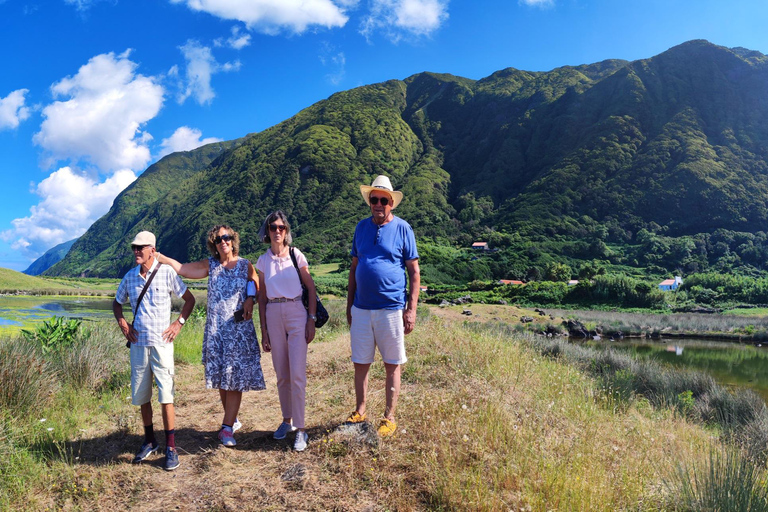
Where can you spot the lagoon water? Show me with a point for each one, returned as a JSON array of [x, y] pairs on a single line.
[[732, 364], [24, 312]]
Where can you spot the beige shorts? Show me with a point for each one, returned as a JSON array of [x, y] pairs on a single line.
[[147, 362], [382, 328]]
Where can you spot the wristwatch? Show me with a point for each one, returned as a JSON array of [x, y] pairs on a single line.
[[181, 320], [313, 317]]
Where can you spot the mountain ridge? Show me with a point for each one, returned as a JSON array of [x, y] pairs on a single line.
[[676, 144]]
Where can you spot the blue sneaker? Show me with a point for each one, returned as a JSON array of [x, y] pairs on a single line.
[[145, 451], [171, 459], [283, 430]]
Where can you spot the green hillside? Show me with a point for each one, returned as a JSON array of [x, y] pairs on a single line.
[[10, 281], [651, 167]]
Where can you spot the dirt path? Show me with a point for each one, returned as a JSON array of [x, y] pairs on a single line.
[[259, 474]]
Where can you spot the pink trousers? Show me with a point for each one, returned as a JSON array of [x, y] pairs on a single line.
[[286, 323]]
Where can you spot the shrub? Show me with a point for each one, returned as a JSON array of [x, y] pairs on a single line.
[[54, 334]]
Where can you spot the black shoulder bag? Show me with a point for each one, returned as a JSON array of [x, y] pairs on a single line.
[[321, 313], [141, 296]]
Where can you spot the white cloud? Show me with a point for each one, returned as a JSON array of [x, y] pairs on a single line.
[[236, 41], [335, 60], [70, 203], [82, 5], [538, 3], [398, 18], [201, 65], [271, 16], [101, 114], [185, 139], [13, 109]]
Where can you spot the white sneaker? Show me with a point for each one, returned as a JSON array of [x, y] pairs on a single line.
[[226, 438], [283, 430], [237, 426], [300, 444]]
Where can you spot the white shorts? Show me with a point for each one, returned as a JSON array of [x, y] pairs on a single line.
[[148, 361], [381, 328]]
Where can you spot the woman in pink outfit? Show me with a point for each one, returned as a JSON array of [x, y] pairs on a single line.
[[286, 326]]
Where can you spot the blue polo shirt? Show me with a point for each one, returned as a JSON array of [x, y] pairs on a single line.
[[381, 252]]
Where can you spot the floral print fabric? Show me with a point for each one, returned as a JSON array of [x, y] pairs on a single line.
[[231, 355]]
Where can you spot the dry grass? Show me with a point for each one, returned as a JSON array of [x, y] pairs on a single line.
[[484, 424]]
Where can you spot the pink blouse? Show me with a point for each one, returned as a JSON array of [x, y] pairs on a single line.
[[280, 276]]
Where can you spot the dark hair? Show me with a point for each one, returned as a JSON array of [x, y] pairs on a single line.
[[214, 232], [272, 217]]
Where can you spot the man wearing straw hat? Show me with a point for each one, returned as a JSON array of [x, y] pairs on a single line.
[[381, 308]]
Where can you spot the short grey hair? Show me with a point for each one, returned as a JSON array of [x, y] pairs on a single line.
[[272, 217]]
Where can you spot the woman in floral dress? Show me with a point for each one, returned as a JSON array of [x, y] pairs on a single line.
[[231, 353]]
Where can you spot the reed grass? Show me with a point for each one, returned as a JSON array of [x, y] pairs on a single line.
[[675, 322], [728, 481], [27, 378]]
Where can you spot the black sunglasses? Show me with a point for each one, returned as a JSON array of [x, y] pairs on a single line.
[[138, 248], [223, 238], [276, 227], [375, 200]]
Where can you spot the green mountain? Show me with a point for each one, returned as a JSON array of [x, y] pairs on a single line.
[[646, 164], [51, 257]]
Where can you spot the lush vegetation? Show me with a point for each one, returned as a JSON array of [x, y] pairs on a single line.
[[642, 169]]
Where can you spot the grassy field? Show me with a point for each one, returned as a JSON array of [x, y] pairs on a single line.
[[485, 423], [12, 281]]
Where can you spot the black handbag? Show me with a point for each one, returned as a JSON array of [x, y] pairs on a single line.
[[321, 313]]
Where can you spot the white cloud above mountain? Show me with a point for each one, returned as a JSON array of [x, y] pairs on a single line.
[[184, 139], [70, 202], [403, 18], [13, 109], [274, 16], [100, 115], [201, 65]]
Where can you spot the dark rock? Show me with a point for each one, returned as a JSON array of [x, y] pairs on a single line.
[[576, 329]]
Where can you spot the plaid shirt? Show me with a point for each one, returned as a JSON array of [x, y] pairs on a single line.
[[154, 314]]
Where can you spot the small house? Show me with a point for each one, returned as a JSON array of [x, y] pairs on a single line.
[[573, 282], [510, 281], [480, 246], [670, 284]]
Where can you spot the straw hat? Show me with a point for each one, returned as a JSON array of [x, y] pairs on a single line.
[[381, 183]]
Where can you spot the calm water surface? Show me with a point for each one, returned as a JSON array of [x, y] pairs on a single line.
[[22, 312], [731, 364]]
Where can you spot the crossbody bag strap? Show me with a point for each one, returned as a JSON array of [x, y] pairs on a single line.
[[141, 296], [296, 266]]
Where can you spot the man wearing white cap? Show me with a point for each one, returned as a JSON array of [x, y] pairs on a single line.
[[381, 306], [150, 337]]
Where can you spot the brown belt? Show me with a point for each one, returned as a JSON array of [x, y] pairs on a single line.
[[283, 299]]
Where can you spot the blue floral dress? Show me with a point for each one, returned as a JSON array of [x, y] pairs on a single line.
[[231, 354]]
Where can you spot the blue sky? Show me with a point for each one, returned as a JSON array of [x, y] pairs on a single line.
[[92, 92]]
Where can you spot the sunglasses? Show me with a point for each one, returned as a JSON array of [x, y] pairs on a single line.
[[138, 248], [223, 238], [375, 200], [276, 227]]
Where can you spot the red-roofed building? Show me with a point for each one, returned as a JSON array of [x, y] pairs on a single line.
[[670, 284], [480, 246], [510, 281]]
